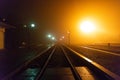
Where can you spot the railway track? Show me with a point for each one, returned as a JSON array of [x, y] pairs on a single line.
[[58, 63]]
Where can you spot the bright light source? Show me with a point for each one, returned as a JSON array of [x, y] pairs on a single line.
[[32, 25], [87, 26], [49, 36]]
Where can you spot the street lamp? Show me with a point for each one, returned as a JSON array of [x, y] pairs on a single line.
[[32, 25], [53, 38], [29, 31], [49, 36]]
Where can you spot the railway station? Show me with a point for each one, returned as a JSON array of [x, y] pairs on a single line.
[[3, 27], [59, 39]]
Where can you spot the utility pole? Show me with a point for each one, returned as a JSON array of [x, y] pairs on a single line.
[[68, 37]]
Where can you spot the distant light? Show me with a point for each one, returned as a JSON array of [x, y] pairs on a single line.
[[68, 32], [49, 36], [63, 37], [25, 25], [32, 25], [53, 38], [4, 19]]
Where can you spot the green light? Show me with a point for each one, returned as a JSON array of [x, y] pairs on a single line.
[[32, 25], [49, 36]]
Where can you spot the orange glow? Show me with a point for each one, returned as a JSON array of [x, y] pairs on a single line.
[[103, 15], [87, 26]]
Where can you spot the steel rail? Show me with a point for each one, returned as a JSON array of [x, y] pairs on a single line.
[[23, 66], [105, 73], [74, 71], [41, 72]]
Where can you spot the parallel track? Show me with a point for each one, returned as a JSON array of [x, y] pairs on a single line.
[[57, 57]]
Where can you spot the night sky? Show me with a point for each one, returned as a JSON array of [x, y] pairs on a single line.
[[45, 13], [59, 16], [50, 15]]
